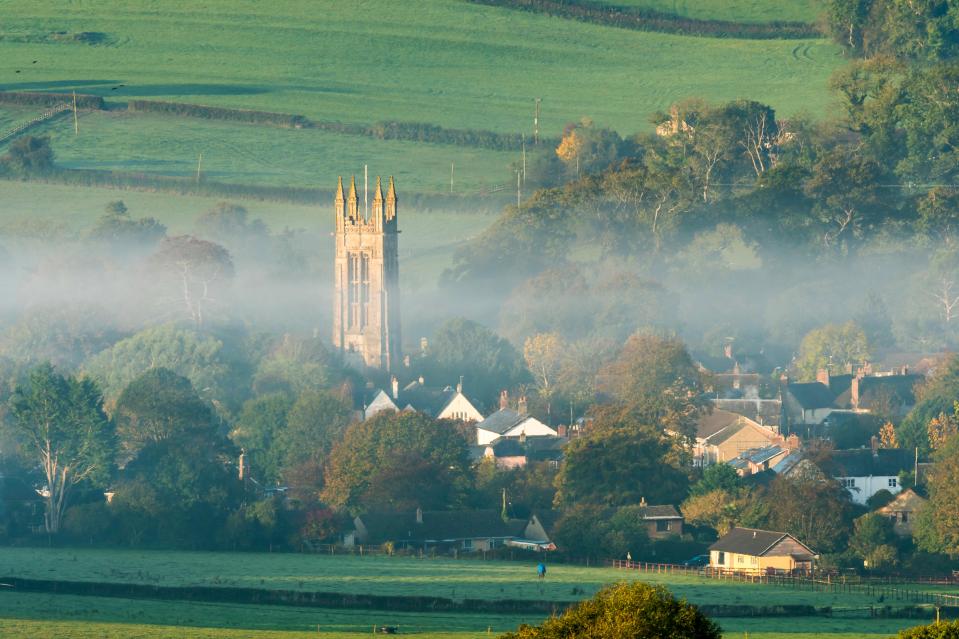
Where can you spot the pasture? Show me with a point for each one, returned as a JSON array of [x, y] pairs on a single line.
[[75, 616], [445, 62]]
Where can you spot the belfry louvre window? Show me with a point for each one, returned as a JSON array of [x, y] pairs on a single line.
[[365, 289], [354, 288]]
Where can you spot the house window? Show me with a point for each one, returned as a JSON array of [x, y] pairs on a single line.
[[663, 525], [467, 544], [722, 558], [893, 482], [740, 559], [904, 517], [754, 561], [848, 482]]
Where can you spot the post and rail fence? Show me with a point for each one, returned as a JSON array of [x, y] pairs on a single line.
[[23, 126], [886, 589]]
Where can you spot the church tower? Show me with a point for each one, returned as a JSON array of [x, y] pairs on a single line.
[[366, 300]]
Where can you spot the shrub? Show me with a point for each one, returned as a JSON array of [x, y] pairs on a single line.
[[633, 610], [932, 631]]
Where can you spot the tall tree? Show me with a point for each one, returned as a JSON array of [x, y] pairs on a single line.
[[194, 273], [938, 525], [380, 461], [834, 347], [61, 424]]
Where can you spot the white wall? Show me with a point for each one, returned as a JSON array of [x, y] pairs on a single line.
[[866, 487], [461, 408]]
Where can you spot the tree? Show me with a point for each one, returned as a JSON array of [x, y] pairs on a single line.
[[625, 610], [939, 519], [30, 155], [122, 233], [156, 406], [655, 378], [544, 355], [834, 347], [874, 541], [196, 273], [384, 458], [934, 397], [717, 477], [60, 422], [315, 423], [945, 630], [487, 362], [294, 365], [818, 512], [718, 509], [258, 430], [619, 462]]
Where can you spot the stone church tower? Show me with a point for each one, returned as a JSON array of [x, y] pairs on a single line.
[[366, 299]]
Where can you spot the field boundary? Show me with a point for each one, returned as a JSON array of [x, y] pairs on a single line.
[[638, 19], [827, 583]]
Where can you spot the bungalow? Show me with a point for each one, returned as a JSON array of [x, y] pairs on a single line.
[[902, 511], [440, 403], [463, 530], [864, 472], [748, 550], [509, 423], [661, 521]]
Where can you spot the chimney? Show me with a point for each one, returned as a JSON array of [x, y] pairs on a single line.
[[419, 515], [424, 346], [503, 399], [406, 361], [421, 380], [905, 369], [459, 387], [642, 502], [522, 437], [521, 405], [561, 430], [854, 391], [754, 534], [822, 376], [395, 383], [874, 443], [728, 350]]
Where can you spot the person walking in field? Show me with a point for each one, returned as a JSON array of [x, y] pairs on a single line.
[[541, 570]]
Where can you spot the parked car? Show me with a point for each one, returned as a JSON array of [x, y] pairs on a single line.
[[697, 562]]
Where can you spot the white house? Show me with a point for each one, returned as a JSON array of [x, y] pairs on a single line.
[[509, 423], [440, 403], [864, 472]]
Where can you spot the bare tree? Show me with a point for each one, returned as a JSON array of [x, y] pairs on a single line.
[[198, 269]]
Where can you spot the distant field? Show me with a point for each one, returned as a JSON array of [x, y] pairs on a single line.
[[426, 244], [732, 10], [441, 61], [251, 154]]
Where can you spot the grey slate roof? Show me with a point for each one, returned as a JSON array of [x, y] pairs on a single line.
[[812, 395], [501, 421], [714, 421], [861, 462], [899, 390], [751, 541], [440, 525], [661, 512]]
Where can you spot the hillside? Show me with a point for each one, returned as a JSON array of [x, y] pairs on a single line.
[[443, 62]]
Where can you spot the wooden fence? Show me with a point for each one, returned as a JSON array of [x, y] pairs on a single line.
[[46, 115], [886, 590]]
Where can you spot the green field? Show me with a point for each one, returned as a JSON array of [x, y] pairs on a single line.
[[732, 10], [251, 154], [74, 616], [444, 62]]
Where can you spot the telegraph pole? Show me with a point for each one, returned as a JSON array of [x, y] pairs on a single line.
[[199, 165], [76, 122], [536, 122], [451, 177], [524, 158], [518, 191]]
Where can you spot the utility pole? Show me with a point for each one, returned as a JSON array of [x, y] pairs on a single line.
[[451, 177], [199, 165], [536, 123], [524, 158], [76, 122]]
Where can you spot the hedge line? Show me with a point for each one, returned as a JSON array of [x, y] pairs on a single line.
[[178, 185], [28, 98], [649, 20], [392, 130]]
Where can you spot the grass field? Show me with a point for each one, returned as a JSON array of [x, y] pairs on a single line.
[[440, 61], [74, 616], [732, 10]]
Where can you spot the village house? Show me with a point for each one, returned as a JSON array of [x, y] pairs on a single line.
[[510, 452], [752, 551], [661, 521], [722, 436], [765, 412], [509, 423], [437, 402], [442, 530], [902, 511], [758, 460], [866, 471]]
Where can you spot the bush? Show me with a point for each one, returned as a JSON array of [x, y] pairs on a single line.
[[88, 523], [932, 631], [633, 610]]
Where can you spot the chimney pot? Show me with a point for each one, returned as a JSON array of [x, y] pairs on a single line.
[[521, 405], [822, 376], [419, 515], [459, 387]]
